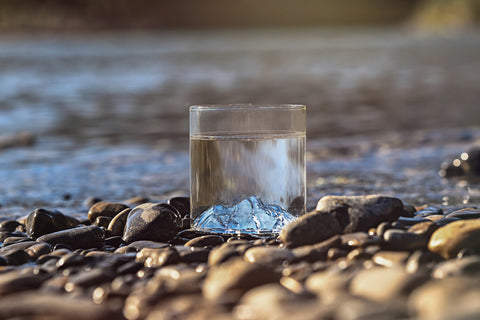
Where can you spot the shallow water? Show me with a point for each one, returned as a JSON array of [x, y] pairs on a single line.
[[109, 110]]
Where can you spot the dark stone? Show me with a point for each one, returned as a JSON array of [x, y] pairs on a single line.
[[114, 241], [70, 259], [117, 224], [104, 208], [360, 213], [429, 211], [268, 255], [42, 221], [21, 280], [76, 238], [190, 234], [89, 278], [445, 221], [161, 257], [151, 221], [421, 259], [15, 240], [39, 249], [424, 228], [205, 241], [221, 254], [297, 206], [359, 240], [404, 241], [5, 234], [9, 225], [182, 204], [102, 221], [314, 227], [15, 257], [408, 222], [194, 255], [316, 252]]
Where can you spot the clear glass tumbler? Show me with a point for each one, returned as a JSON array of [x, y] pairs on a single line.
[[247, 167]]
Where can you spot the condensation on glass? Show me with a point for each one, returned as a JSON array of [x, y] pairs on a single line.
[[247, 167]]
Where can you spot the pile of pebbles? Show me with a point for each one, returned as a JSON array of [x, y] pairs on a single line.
[[360, 257]]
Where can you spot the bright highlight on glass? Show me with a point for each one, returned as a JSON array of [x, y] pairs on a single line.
[[247, 167]]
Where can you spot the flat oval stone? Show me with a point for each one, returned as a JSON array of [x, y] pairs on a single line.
[[15, 257], [21, 280], [117, 224], [408, 222], [268, 255], [467, 213], [70, 259], [429, 211], [39, 249], [359, 240], [390, 258], [205, 241], [449, 240], [151, 221], [89, 278], [404, 241], [457, 267], [77, 238], [229, 280], [104, 208], [424, 228], [384, 284]]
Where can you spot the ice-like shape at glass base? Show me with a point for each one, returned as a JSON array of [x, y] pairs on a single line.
[[251, 215]]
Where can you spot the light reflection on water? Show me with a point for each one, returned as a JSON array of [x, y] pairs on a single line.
[[97, 102]]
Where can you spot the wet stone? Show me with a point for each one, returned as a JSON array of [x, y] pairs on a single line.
[[5, 234], [153, 222], [229, 281], [194, 255], [421, 259], [429, 211], [22, 245], [117, 224], [104, 208], [390, 258], [14, 240], [408, 222], [80, 237], [114, 241], [41, 222], [336, 253], [359, 240], [88, 278], [435, 217], [382, 227], [445, 221], [467, 213], [457, 267], [15, 257], [102, 221], [70, 259], [449, 240], [21, 280], [360, 213], [404, 241], [9, 225], [268, 255], [423, 228], [205, 241], [182, 204], [190, 234]]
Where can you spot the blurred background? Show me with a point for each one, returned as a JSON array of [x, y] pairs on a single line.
[[94, 95]]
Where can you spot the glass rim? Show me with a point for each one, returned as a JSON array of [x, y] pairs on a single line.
[[247, 107]]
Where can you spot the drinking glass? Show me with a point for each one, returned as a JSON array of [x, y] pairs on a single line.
[[247, 167]]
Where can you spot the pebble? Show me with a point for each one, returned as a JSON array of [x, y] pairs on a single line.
[[21, 280], [77, 238], [268, 255], [205, 241], [421, 259], [424, 228], [313, 227], [467, 213], [229, 281], [222, 253], [359, 240], [89, 278], [384, 284], [15, 257], [404, 240], [106, 209], [9, 225], [151, 221], [142, 244], [117, 224], [31, 305], [42, 221], [445, 299], [329, 285], [360, 213], [457, 267], [390, 258], [449, 240]]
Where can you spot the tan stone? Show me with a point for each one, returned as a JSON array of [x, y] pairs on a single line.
[[450, 239]]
